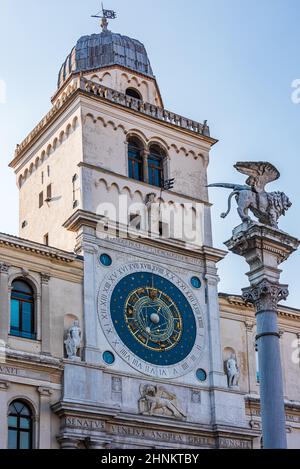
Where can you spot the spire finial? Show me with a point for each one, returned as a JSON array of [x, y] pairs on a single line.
[[105, 15]]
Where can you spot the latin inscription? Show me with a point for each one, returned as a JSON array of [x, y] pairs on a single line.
[[6, 370]]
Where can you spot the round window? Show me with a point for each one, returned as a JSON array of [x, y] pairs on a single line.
[[109, 358], [106, 260], [196, 282], [201, 375]]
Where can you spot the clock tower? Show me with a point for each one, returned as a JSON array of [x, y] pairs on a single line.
[[111, 174]]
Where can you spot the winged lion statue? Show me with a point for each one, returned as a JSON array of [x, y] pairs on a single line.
[[266, 206]]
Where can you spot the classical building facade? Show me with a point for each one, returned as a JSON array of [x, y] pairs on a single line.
[[113, 334]]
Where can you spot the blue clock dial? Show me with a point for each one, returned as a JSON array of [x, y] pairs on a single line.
[[153, 318]]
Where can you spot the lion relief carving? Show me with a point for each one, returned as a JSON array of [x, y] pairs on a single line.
[[157, 400]]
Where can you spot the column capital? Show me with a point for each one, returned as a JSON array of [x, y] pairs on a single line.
[[4, 385], [95, 444], [4, 268], [68, 443], [45, 278], [45, 392], [249, 325], [212, 280], [266, 295]]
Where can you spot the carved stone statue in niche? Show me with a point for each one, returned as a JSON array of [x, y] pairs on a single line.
[[232, 371], [153, 212], [157, 400], [73, 341]]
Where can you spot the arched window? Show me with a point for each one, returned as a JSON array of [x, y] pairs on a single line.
[[135, 159], [156, 160], [133, 93], [20, 426], [22, 323]]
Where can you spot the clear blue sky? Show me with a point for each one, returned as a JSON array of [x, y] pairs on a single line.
[[229, 61]]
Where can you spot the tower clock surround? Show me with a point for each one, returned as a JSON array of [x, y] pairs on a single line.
[[152, 320]]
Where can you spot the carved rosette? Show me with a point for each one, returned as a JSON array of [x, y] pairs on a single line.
[[266, 295]]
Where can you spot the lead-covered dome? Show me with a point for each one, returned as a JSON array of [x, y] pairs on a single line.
[[102, 50]]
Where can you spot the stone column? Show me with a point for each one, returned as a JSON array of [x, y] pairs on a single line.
[[68, 443], [95, 444], [264, 249], [145, 154], [265, 296], [4, 303], [45, 315], [45, 418]]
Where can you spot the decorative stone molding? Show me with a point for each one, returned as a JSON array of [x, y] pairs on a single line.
[[4, 385], [45, 392], [45, 278], [212, 280], [266, 295], [68, 443], [84, 86], [4, 268], [30, 246], [251, 240], [195, 397], [249, 325], [95, 444], [255, 424]]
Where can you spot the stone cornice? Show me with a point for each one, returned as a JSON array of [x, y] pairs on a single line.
[[36, 248], [166, 117], [258, 238], [148, 186], [103, 69], [82, 218], [239, 302]]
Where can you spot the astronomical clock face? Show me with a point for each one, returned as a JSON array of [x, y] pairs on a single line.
[[152, 320]]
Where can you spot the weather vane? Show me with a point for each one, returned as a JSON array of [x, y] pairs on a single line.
[[105, 15]]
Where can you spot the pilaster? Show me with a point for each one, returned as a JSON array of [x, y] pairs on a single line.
[[45, 418], [4, 303], [4, 385], [45, 315], [217, 375], [251, 354], [92, 354]]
